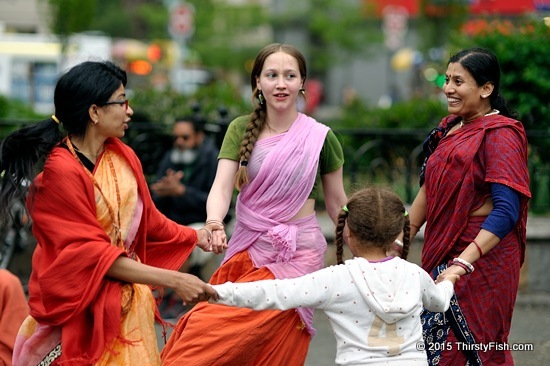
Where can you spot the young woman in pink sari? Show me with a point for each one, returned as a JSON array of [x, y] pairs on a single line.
[[101, 243], [473, 199], [277, 158]]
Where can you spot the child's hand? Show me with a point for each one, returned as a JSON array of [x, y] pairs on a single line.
[[453, 277]]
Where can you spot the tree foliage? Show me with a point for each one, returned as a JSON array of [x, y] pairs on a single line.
[[228, 36], [335, 30], [523, 51], [140, 19], [70, 16], [437, 19]]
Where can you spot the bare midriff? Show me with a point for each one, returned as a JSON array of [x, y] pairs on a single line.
[[307, 209], [485, 209]]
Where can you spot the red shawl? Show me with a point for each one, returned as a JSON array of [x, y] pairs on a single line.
[[491, 149], [68, 287]]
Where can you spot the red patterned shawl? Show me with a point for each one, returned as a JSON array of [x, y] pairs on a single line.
[[68, 287], [491, 149]]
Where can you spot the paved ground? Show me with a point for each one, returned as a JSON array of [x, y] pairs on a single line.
[[530, 323], [530, 326]]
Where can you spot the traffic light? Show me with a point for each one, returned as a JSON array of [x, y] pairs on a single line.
[[140, 67]]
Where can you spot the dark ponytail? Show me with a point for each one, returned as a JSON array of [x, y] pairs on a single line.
[[22, 154]]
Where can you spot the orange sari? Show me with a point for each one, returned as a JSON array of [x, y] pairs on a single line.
[[239, 328]]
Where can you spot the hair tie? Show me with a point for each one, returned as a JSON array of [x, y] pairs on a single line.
[[406, 213], [345, 208], [244, 162], [55, 119]]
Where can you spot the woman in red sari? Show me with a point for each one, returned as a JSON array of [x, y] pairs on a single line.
[[473, 198], [101, 243]]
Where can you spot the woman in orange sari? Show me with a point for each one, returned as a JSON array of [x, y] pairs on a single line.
[[101, 243]]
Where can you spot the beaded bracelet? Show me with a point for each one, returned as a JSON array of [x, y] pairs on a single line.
[[467, 264], [478, 248]]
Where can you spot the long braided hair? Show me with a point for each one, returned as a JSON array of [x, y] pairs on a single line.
[[258, 117], [376, 216]]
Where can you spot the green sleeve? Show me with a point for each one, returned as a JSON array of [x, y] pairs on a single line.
[[233, 138], [332, 154], [331, 159]]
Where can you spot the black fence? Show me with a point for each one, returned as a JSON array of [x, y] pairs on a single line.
[[391, 157]]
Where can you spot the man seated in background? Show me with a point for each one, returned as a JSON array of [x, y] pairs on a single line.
[[186, 173], [184, 177]]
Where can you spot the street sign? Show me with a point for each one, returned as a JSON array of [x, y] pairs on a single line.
[[395, 25], [181, 24]]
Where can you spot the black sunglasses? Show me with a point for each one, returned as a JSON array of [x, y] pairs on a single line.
[[184, 137]]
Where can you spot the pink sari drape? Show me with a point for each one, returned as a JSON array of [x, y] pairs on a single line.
[[282, 171]]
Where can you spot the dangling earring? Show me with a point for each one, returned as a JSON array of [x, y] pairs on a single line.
[[303, 91], [261, 97]]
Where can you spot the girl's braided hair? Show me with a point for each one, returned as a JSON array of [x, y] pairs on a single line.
[[376, 216]]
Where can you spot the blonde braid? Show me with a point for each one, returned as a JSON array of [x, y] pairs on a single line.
[[253, 129]]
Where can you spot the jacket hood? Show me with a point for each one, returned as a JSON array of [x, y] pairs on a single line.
[[389, 299]]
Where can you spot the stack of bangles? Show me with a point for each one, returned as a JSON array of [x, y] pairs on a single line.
[[467, 266], [215, 221], [398, 246]]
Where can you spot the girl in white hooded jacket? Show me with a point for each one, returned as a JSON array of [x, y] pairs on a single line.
[[373, 301]]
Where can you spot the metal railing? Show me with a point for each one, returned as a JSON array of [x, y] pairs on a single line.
[[389, 156]]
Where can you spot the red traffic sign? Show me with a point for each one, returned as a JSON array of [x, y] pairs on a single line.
[[182, 21]]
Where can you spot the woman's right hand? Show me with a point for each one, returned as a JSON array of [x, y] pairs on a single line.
[[192, 289]]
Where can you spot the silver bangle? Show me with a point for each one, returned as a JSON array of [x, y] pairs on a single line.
[[464, 262], [208, 233]]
